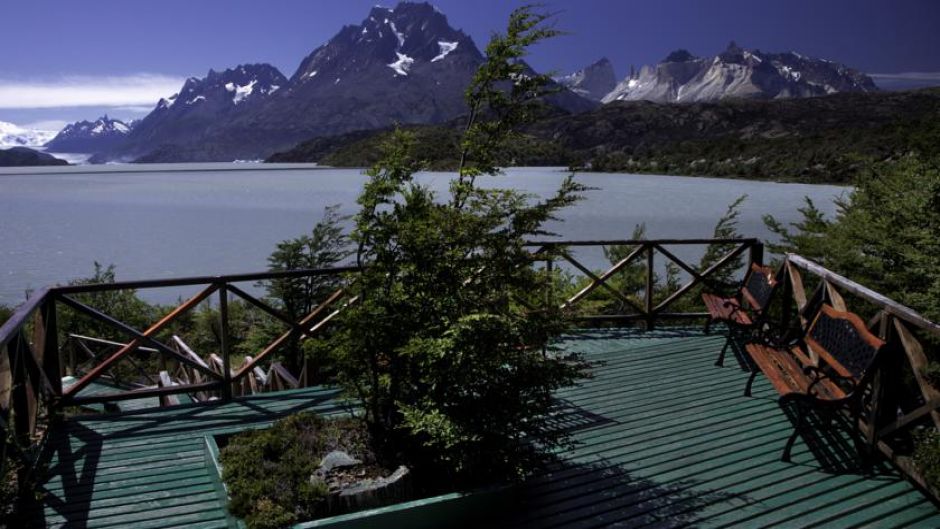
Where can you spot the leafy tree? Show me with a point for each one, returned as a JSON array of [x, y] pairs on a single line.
[[324, 247], [884, 234], [725, 228], [449, 362]]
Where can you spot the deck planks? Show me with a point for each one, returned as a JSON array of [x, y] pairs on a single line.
[[663, 438]]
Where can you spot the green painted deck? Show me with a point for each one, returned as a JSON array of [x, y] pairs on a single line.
[[663, 438]]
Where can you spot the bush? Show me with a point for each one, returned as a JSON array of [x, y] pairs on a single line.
[[268, 472], [927, 457]]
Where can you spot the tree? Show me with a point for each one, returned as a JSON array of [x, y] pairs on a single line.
[[885, 234], [325, 247], [450, 364]]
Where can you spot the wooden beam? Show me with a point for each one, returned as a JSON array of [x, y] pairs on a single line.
[[918, 360], [189, 352], [224, 344], [269, 310], [307, 320], [888, 304], [141, 393], [601, 280], [203, 280], [835, 299], [140, 338]]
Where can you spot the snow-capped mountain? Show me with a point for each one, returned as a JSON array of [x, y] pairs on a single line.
[[738, 72], [399, 65], [593, 82], [201, 105], [90, 136], [15, 136], [244, 84]]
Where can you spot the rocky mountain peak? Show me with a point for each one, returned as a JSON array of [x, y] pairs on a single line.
[[89, 136], [233, 86], [397, 38], [593, 81], [680, 55], [738, 72]]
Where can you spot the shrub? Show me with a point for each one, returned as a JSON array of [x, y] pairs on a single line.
[[268, 472]]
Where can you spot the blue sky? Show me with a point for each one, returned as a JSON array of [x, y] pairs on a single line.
[[67, 59]]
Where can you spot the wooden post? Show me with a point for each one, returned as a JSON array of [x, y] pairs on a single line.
[[757, 253], [47, 341], [649, 288], [23, 397], [223, 343], [788, 301]]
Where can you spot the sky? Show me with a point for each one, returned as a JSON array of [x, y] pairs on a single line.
[[66, 60]]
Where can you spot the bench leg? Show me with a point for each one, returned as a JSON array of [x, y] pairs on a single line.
[[721, 356], [800, 421], [750, 382]]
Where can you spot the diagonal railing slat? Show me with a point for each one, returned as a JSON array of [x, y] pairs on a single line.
[[140, 337]]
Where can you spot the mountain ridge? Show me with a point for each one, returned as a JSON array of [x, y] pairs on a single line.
[[738, 72]]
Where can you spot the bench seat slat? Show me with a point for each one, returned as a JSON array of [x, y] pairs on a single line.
[[786, 374], [726, 309]]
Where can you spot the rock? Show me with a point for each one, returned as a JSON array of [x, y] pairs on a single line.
[[337, 459], [379, 492]]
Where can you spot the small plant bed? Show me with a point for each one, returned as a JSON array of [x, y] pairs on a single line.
[[306, 467]]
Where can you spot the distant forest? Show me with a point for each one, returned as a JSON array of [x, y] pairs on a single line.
[[814, 140]]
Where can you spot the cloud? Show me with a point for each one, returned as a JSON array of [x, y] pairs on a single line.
[[81, 91], [49, 124]]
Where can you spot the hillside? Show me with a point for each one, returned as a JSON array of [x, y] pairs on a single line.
[[25, 157], [820, 139]]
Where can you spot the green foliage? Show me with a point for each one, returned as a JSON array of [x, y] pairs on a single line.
[[324, 247], [5, 313], [809, 236], [268, 472], [820, 139], [726, 228], [448, 363], [927, 456], [123, 305], [884, 235]]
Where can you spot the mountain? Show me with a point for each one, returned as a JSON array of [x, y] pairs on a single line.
[[24, 157], [399, 65], [593, 82], [90, 136], [740, 73], [201, 105], [15, 136], [819, 140]]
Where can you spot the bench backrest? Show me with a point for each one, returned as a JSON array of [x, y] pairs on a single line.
[[758, 287], [842, 340]]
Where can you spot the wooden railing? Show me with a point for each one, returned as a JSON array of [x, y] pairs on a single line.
[[894, 323], [645, 308], [33, 363]]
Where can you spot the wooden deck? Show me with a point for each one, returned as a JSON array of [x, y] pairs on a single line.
[[663, 439]]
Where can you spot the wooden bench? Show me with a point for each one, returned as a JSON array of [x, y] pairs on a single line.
[[745, 311], [847, 356]]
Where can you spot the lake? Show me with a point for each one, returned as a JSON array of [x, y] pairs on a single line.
[[179, 220]]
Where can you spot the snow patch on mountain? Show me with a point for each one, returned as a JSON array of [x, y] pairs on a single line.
[[402, 65], [446, 48]]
